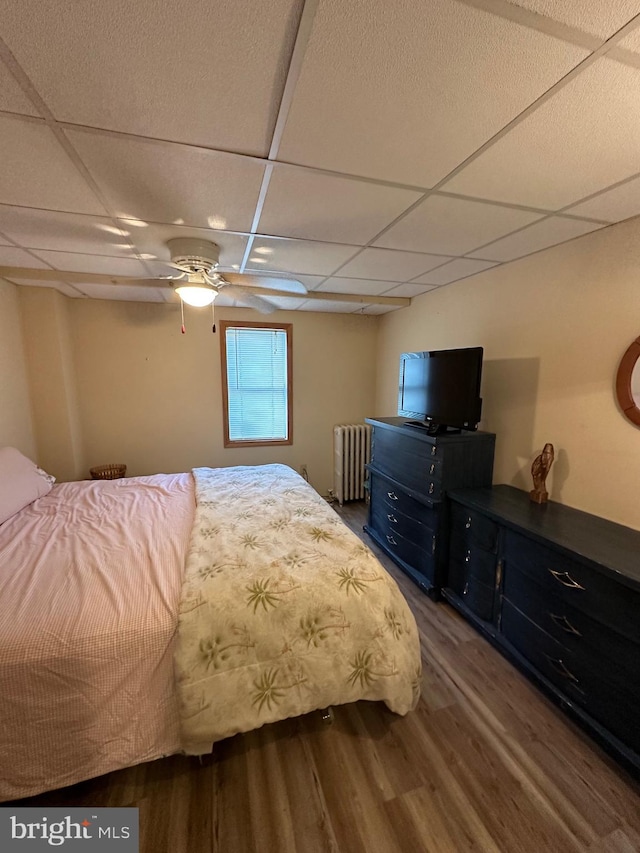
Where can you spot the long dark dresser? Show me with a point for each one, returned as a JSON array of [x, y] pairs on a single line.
[[557, 590], [408, 477]]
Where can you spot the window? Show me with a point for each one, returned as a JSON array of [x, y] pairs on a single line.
[[256, 383]]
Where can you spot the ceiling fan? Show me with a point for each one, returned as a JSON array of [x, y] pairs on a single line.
[[197, 281]]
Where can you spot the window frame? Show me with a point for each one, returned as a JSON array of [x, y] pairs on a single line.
[[249, 324]]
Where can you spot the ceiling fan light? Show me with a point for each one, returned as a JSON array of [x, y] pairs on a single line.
[[197, 295]]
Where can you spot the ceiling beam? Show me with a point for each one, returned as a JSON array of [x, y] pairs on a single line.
[[361, 298], [99, 278], [77, 277]]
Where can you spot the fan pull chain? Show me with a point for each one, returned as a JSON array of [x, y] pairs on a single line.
[[182, 328], [213, 318]]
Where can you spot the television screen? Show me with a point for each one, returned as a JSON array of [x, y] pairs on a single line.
[[441, 387]]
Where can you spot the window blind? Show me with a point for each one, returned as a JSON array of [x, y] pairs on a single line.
[[257, 384]]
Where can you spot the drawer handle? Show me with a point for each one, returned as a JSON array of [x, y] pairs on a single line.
[[561, 669], [392, 495], [468, 524], [467, 557], [434, 541], [434, 449], [563, 622], [432, 469], [392, 518], [391, 540], [566, 580], [431, 488]]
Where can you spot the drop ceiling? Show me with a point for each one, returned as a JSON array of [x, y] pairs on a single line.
[[366, 147]]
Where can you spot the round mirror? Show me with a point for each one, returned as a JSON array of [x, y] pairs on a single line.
[[628, 383]]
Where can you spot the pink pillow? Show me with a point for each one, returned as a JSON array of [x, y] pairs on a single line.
[[21, 482]]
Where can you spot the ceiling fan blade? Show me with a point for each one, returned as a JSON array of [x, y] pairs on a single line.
[[79, 277], [266, 281], [250, 300], [138, 282], [324, 295]]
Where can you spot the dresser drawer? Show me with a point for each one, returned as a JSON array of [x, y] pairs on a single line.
[[473, 527], [382, 517], [393, 501], [477, 596], [602, 693], [412, 461], [473, 562], [587, 639], [575, 583], [422, 559]]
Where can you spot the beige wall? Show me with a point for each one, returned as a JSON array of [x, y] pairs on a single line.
[[16, 425], [51, 371], [554, 327], [151, 397]]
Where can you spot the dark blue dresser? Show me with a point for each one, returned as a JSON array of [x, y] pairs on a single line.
[[409, 476], [558, 591]]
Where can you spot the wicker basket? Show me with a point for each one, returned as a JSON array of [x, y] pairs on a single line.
[[108, 472]]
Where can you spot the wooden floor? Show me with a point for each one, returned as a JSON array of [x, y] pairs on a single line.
[[485, 763]]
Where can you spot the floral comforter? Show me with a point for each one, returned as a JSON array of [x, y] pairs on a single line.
[[283, 610]]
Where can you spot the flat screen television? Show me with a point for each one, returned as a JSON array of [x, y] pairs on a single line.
[[440, 389]]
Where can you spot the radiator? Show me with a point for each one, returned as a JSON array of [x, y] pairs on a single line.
[[352, 450]]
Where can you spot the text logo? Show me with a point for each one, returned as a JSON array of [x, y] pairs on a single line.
[[82, 830]]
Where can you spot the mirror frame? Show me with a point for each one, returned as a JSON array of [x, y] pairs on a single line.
[[623, 383]]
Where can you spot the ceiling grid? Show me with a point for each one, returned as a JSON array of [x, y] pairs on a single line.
[[368, 149]]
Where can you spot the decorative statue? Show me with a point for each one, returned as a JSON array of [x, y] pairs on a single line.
[[539, 470]]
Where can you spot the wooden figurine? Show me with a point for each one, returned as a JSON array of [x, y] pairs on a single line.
[[539, 470]]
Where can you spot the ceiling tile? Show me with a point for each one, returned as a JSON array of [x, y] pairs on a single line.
[[613, 205], [410, 289], [315, 206], [286, 303], [36, 172], [408, 90], [631, 41], [66, 232], [151, 242], [12, 98], [297, 256], [460, 268], [200, 72], [161, 182], [379, 309], [390, 265], [584, 138], [92, 263], [10, 256], [396, 94], [591, 16], [328, 306], [538, 236], [453, 226], [60, 286], [122, 293], [356, 285], [283, 304]]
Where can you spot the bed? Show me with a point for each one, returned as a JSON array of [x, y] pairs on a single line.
[[149, 616]]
